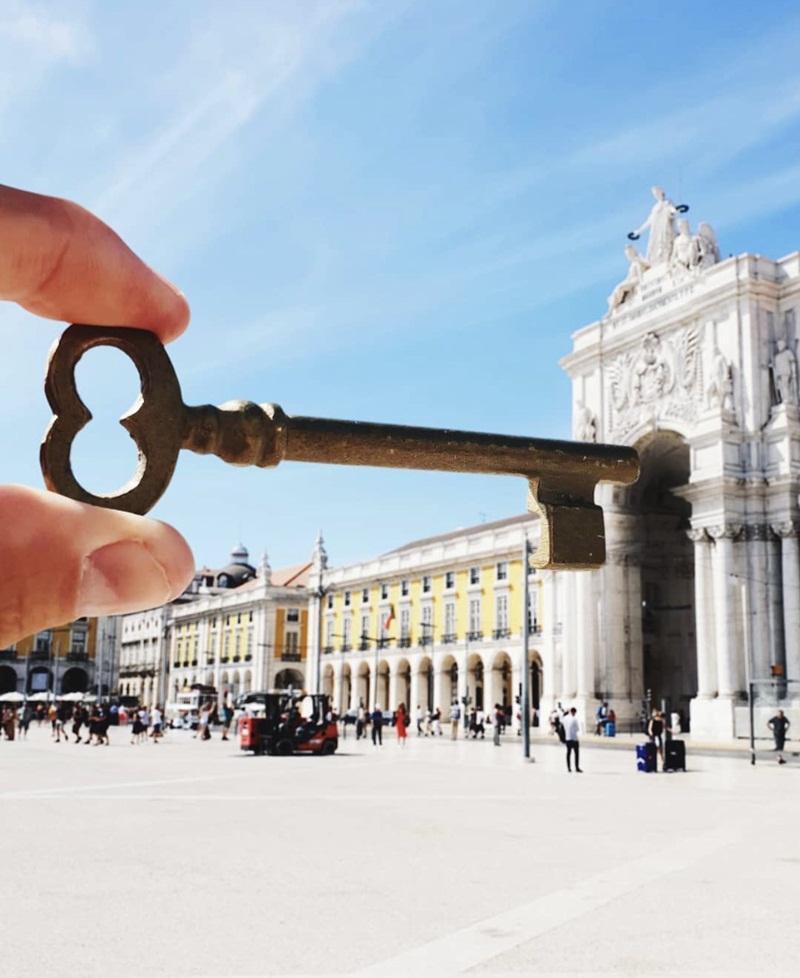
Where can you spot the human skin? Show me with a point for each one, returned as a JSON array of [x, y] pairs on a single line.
[[61, 559]]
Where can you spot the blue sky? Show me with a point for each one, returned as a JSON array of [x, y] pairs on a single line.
[[391, 211]]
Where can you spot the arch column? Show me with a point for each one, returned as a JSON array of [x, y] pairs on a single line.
[[704, 624], [790, 570], [724, 535]]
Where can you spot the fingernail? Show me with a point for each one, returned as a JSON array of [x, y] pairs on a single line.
[[121, 577]]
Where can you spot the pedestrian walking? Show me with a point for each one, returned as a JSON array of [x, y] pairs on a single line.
[[480, 724], [78, 718], [455, 717], [25, 722], [156, 718], [571, 732], [437, 722], [428, 723], [401, 724], [227, 719], [360, 715], [779, 724], [420, 717], [497, 720], [377, 727]]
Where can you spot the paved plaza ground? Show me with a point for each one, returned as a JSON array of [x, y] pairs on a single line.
[[193, 859]]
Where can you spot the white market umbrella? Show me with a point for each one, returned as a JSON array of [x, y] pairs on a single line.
[[72, 697], [12, 698], [42, 697]]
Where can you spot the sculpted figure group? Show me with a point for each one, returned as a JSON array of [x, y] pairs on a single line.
[[671, 248]]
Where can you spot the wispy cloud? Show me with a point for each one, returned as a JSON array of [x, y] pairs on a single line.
[[34, 40]]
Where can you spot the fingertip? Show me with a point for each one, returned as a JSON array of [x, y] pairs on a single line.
[[175, 313]]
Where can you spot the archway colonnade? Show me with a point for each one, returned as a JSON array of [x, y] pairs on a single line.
[[430, 679]]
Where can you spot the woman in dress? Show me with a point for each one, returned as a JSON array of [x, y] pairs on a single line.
[[401, 725]]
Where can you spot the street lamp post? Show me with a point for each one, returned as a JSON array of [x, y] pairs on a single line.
[[526, 672]]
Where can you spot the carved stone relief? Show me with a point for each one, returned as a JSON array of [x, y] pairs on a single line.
[[661, 380]]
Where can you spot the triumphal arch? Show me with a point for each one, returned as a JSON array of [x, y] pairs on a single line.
[[695, 364]]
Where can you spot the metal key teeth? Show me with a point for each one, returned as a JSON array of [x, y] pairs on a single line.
[[239, 432]]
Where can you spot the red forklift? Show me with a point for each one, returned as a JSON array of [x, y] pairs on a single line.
[[289, 723]]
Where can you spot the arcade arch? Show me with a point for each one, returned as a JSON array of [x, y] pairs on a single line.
[[403, 685], [449, 683], [502, 692], [382, 689], [666, 565], [8, 680]]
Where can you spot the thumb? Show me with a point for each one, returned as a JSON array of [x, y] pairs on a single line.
[[62, 560]]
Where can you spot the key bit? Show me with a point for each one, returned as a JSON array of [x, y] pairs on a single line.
[[561, 475]]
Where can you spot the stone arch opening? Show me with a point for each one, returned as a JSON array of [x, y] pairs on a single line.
[[363, 684], [75, 680], [425, 685], [346, 688], [40, 680], [665, 558], [475, 692], [403, 685], [327, 680], [449, 668], [537, 691], [285, 679], [8, 680], [382, 687], [502, 680]]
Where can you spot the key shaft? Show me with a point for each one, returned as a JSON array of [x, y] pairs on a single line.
[[562, 476]]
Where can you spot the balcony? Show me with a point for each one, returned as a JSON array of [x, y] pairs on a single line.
[[426, 640], [474, 636], [404, 642], [501, 633], [327, 650], [290, 657], [76, 656], [8, 655], [346, 646], [535, 629], [363, 646], [40, 655], [449, 638]]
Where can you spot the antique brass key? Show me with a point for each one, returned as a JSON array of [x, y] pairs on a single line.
[[561, 475]]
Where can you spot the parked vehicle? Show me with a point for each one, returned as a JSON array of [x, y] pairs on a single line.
[[292, 723]]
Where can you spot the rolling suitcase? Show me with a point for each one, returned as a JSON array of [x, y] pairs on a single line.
[[675, 755], [646, 757]]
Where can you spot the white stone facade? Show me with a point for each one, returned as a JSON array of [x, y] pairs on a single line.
[[695, 365]]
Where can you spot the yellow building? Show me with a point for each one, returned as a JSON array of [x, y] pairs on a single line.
[[240, 629], [437, 621], [61, 660]]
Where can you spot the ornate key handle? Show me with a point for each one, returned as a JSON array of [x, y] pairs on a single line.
[[561, 475]]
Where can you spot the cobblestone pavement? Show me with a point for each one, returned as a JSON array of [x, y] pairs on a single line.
[[193, 859]]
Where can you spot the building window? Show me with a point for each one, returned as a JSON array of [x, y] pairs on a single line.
[[293, 614], [291, 646], [329, 632], [426, 584], [365, 595], [239, 618], [450, 622], [405, 628], [404, 588], [237, 646], [77, 642], [347, 634], [250, 616], [330, 600], [347, 599], [501, 615], [474, 575], [475, 618], [364, 635], [502, 570], [384, 592], [450, 580]]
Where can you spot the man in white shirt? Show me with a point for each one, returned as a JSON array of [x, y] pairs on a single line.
[[571, 731]]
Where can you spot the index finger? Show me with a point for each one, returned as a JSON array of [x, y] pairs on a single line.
[[59, 261]]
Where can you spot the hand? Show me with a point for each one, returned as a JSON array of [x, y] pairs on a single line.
[[61, 559]]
